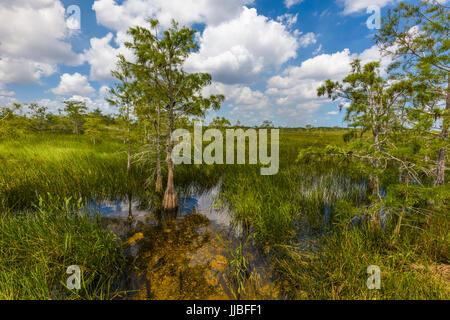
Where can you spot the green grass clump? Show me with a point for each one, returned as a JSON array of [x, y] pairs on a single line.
[[36, 248], [338, 270]]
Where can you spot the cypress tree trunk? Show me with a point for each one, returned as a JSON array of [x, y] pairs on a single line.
[[159, 184], [442, 153], [170, 203], [128, 142], [130, 196], [75, 127], [376, 216], [128, 151], [400, 218], [129, 160]]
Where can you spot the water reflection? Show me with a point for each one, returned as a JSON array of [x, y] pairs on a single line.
[[179, 256]]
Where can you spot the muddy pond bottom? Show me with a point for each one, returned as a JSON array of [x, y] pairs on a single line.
[[197, 253]]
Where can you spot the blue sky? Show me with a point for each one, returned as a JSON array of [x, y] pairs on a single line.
[[266, 57]]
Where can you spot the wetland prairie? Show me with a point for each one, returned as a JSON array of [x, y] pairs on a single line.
[[235, 235], [224, 150]]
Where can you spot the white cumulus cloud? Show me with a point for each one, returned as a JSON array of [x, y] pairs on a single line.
[[102, 57], [134, 12], [238, 50], [295, 90], [75, 84], [236, 45], [33, 41]]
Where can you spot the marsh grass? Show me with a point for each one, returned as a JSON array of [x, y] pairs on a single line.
[[63, 165], [36, 248], [321, 253], [338, 270], [44, 181], [239, 271], [293, 216]]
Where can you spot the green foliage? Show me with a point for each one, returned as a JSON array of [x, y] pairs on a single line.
[[76, 111], [36, 248], [267, 124], [390, 149], [94, 127], [123, 94], [220, 123], [416, 37], [38, 116], [160, 58], [239, 271]]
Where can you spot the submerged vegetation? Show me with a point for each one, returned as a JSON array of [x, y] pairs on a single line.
[[374, 194]]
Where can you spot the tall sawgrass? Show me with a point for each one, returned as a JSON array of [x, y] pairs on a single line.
[[338, 270], [321, 253], [64, 165], [41, 234], [36, 248]]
